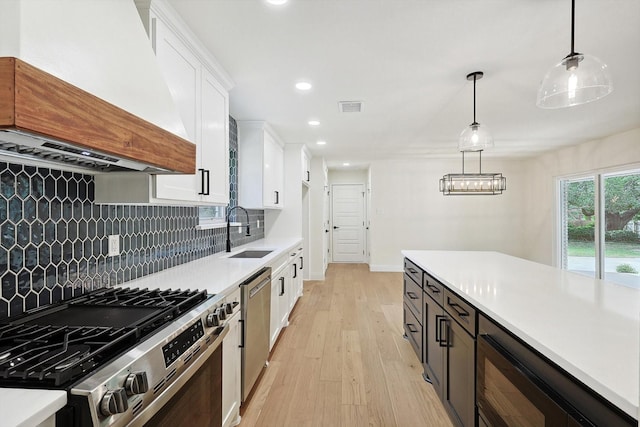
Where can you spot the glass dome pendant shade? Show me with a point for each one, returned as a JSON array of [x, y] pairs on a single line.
[[575, 80], [475, 137]]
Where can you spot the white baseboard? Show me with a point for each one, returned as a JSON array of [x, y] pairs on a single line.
[[316, 276], [386, 268]]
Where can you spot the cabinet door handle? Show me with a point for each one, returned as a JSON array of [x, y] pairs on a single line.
[[412, 295], [335, 227], [277, 197], [412, 328], [462, 312], [241, 321], [412, 270], [295, 270], [308, 176], [208, 181], [301, 263], [281, 286], [434, 289], [201, 193], [443, 323]]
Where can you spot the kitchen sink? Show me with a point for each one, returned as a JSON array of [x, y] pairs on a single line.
[[251, 254]]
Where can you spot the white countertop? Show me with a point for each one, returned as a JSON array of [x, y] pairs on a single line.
[[589, 327], [217, 274], [28, 408]]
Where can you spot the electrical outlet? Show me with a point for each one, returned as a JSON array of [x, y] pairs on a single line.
[[114, 245]]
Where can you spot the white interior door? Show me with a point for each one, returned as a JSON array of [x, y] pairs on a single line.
[[347, 206]]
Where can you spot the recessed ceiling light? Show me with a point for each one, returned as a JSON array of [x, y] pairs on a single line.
[[346, 164], [303, 86], [321, 142], [277, 2], [314, 123]]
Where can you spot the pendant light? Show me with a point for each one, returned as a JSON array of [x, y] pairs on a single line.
[[475, 137], [575, 80], [482, 184]]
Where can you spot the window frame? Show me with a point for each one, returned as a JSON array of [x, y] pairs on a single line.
[[598, 176]]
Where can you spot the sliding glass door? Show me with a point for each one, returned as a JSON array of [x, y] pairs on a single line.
[[599, 226]]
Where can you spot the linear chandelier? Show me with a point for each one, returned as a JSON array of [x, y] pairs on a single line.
[[482, 184], [575, 80]]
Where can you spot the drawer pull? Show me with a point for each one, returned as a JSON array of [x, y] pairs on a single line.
[[412, 328], [412, 295], [462, 312], [412, 270], [434, 289]]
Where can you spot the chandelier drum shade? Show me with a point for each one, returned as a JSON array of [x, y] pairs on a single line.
[[475, 137], [575, 80], [486, 184]]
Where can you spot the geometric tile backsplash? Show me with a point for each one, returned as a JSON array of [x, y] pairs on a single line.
[[54, 238]]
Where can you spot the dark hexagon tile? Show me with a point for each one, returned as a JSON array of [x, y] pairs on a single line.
[[37, 279], [37, 186], [15, 209], [16, 259], [67, 210], [51, 276], [7, 184], [82, 229], [56, 294], [72, 230], [23, 231], [61, 189], [56, 209], [16, 306], [44, 298], [77, 210], [4, 309], [31, 301], [23, 185], [49, 187], [37, 233], [24, 282], [87, 246], [61, 231], [78, 251], [30, 257], [43, 210], [9, 285], [56, 252], [8, 237], [63, 274], [3, 210], [67, 251], [44, 255], [49, 231], [29, 209], [72, 189]]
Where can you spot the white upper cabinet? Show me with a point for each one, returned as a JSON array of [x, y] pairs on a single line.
[[260, 166], [203, 104], [306, 167]]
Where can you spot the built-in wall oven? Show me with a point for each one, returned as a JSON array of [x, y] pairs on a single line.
[[516, 386]]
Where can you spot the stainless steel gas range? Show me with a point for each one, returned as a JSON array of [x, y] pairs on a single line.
[[121, 354]]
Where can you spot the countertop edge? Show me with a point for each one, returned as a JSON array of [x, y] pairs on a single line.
[[27, 407]]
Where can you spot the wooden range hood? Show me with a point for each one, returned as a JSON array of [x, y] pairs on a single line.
[[46, 118]]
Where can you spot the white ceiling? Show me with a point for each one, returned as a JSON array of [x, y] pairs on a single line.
[[407, 61]]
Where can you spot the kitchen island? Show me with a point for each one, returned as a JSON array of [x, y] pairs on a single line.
[[588, 327]]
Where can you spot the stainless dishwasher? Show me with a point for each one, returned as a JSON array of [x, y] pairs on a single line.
[[256, 319]]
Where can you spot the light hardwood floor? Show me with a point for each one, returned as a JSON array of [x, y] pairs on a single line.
[[343, 362]]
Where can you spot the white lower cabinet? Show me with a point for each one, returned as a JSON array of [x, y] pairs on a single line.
[[286, 288], [231, 381]]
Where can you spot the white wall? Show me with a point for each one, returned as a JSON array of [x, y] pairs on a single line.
[[347, 176], [317, 227], [409, 212], [613, 151]]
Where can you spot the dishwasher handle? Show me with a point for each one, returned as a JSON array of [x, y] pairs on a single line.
[[257, 288]]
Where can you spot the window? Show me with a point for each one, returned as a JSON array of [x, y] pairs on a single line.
[[211, 216], [599, 226]]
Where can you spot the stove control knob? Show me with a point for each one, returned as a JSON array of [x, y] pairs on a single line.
[[221, 313], [212, 319], [136, 383], [114, 402], [228, 308]]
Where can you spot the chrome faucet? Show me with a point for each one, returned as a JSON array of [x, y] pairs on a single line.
[[229, 225]]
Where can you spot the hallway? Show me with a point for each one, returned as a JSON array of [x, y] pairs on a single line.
[[342, 360]]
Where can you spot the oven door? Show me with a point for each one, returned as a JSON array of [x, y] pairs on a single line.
[[509, 395], [194, 399]]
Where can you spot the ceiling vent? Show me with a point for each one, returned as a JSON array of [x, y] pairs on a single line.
[[350, 106]]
